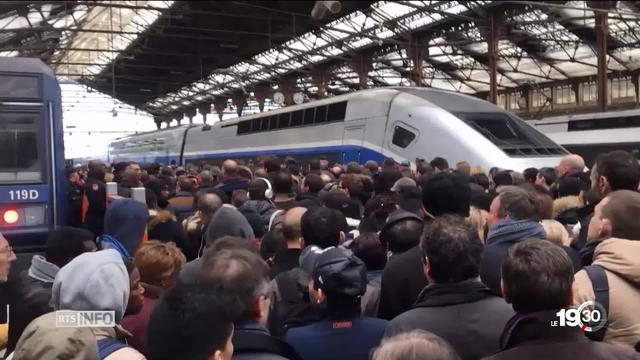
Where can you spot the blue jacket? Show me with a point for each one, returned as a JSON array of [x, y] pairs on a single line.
[[350, 338]]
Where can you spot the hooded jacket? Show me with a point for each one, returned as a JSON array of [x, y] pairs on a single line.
[[93, 281], [227, 221], [262, 207], [529, 337], [620, 259], [31, 297], [499, 239], [42, 339], [565, 210], [465, 314], [124, 224]]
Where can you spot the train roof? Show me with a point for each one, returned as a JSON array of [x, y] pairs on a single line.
[[25, 65], [448, 100], [587, 116]]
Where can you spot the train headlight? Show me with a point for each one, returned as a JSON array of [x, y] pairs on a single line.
[[34, 215], [11, 217]]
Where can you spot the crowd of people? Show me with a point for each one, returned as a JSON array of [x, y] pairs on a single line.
[[277, 259]]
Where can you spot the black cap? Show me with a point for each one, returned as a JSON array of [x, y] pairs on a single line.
[[336, 270]]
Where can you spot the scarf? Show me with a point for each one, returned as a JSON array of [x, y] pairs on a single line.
[[108, 242], [42, 270], [515, 230]]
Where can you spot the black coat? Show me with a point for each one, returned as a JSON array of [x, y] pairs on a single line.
[[29, 300], [73, 209], [96, 193], [530, 337], [402, 280], [465, 314]]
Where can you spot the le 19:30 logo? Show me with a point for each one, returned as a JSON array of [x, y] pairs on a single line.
[[590, 316]]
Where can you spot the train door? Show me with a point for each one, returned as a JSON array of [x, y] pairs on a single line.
[[352, 139]]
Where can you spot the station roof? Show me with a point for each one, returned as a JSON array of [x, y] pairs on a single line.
[[169, 56]]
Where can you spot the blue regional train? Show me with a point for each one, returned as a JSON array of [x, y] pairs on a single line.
[[403, 123], [32, 152]]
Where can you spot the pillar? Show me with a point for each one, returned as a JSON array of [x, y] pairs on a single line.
[[262, 92], [158, 121], [190, 113], [636, 84], [361, 64], [602, 29], [320, 77], [204, 109], [416, 54], [167, 119], [239, 100], [492, 49], [177, 116], [288, 87], [219, 104]]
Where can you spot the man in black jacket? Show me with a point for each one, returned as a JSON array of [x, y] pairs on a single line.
[[537, 278], [402, 278], [242, 275], [455, 305], [33, 290], [96, 194]]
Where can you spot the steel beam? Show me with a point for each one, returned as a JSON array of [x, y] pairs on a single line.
[[602, 29], [361, 64], [492, 45], [416, 54]]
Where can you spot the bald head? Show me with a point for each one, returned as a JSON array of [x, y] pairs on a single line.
[[208, 204], [291, 224], [571, 163], [229, 167]]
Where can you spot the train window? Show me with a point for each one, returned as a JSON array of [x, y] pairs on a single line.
[[19, 159], [264, 123], [255, 125], [296, 118], [273, 122], [309, 114], [321, 114], [402, 137], [283, 120], [244, 127], [337, 111]]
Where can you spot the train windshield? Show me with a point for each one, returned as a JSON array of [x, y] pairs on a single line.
[[511, 134], [19, 159], [497, 127]]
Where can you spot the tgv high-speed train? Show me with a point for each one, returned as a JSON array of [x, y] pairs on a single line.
[[403, 123], [591, 134]]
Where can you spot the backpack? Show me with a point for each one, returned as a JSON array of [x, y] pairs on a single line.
[[108, 346], [600, 285], [295, 308]]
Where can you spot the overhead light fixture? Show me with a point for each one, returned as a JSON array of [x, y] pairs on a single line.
[[145, 90], [229, 46], [199, 97]]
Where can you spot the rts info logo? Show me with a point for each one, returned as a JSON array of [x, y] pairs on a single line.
[[590, 316]]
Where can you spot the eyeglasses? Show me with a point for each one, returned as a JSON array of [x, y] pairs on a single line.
[[7, 249]]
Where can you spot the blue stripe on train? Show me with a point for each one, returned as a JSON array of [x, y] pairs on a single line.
[[341, 153]]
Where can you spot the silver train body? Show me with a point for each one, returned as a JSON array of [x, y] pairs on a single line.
[[591, 134], [402, 123]]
